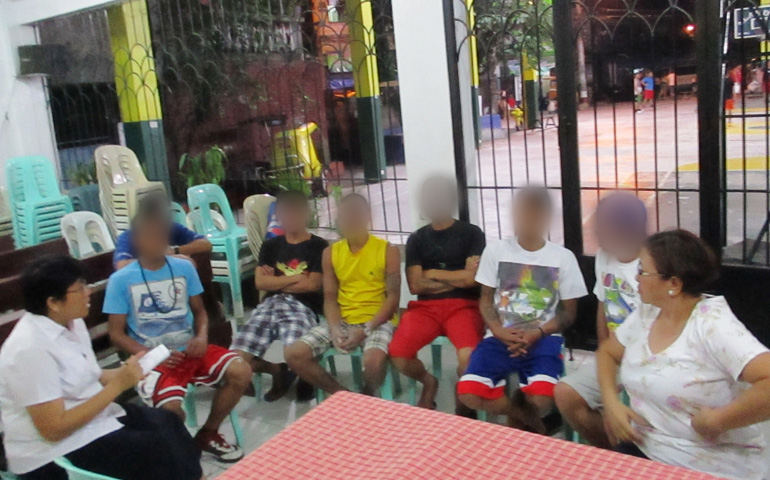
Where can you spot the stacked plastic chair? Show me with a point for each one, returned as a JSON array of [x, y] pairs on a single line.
[[6, 224], [122, 184], [86, 234], [256, 209], [231, 259], [37, 204]]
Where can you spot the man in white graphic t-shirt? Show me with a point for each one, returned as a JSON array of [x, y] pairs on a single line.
[[529, 292]]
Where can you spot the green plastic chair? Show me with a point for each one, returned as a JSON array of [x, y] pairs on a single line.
[[8, 476], [391, 387], [178, 214], [232, 260], [191, 415], [76, 473], [37, 204]]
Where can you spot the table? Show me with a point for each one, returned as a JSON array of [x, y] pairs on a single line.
[[353, 437]]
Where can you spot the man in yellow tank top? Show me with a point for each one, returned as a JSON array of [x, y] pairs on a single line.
[[362, 285]]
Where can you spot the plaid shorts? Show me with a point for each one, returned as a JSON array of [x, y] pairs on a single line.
[[319, 339], [279, 317]]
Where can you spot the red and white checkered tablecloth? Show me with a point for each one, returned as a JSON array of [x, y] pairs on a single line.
[[353, 437]]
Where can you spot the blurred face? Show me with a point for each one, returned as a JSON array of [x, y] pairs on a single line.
[[616, 242], [293, 217], [75, 303], [438, 200], [353, 219], [530, 220], [151, 240], [653, 288]]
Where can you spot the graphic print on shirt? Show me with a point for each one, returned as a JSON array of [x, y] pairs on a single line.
[[526, 295], [294, 267], [161, 321], [616, 308]]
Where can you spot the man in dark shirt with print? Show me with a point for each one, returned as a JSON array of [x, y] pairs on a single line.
[[441, 263], [289, 271]]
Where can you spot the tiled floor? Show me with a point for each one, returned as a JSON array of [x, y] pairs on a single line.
[[261, 421]]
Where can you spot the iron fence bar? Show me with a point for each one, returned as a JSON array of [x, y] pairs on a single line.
[[455, 106], [709, 94], [568, 135]]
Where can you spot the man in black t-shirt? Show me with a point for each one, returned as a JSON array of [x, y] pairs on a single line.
[[289, 271], [441, 263]]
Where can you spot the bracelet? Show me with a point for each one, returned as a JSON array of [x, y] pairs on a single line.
[[542, 332]]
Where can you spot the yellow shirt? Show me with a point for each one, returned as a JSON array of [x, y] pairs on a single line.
[[361, 277]]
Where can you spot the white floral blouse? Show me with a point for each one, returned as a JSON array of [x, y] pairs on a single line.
[[701, 368]]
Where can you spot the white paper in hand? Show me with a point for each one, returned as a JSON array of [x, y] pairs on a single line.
[[153, 358]]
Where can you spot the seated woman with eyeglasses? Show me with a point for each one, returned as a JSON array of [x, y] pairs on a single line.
[[56, 400], [698, 381]]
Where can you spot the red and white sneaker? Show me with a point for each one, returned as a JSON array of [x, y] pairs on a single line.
[[215, 444]]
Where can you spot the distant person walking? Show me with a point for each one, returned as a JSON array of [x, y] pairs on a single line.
[[727, 92], [638, 91], [671, 81], [648, 82]]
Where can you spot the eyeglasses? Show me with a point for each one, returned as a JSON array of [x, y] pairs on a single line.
[[644, 273], [82, 286]]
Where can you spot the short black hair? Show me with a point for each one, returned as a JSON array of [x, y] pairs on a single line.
[[49, 277], [682, 254], [535, 196], [291, 198]]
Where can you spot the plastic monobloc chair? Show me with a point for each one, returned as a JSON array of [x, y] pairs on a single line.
[[191, 415], [256, 209], [86, 234], [231, 243], [391, 387]]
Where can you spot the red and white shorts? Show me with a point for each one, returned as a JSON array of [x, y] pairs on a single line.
[[164, 384]]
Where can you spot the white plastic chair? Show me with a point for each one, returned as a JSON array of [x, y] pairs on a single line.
[[86, 234], [6, 222], [219, 220], [121, 184], [257, 209]]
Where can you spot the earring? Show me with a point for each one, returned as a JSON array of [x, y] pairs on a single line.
[[671, 293]]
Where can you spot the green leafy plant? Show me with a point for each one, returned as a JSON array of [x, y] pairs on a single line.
[[206, 168], [83, 174], [285, 179]]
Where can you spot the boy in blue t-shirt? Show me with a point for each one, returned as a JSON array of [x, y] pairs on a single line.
[[157, 300]]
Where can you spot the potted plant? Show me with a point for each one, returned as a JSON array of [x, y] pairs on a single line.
[[206, 168], [85, 193]]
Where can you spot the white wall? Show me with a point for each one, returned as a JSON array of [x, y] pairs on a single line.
[[424, 89], [25, 121]]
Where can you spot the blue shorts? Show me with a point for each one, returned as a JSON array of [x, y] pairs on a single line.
[[491, 363]]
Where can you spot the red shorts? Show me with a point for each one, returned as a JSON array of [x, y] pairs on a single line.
[[649, 94], [164, 384], [424, 320], [729, 104]]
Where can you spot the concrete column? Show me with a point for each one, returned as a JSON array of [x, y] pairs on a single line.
[[136, 84], [367, 83], [424, 90]]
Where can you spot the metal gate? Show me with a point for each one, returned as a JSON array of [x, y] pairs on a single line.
[[254, 78], [556, 89]]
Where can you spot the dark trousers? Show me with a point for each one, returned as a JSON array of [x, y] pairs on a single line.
[[630, 449], [153, 445]]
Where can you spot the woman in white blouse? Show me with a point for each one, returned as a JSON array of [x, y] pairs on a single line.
[[698, 381], [56, 401]]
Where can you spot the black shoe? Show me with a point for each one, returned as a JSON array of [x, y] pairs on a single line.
[[281, 384], [553, 423], [305, 391], [463, 411]]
